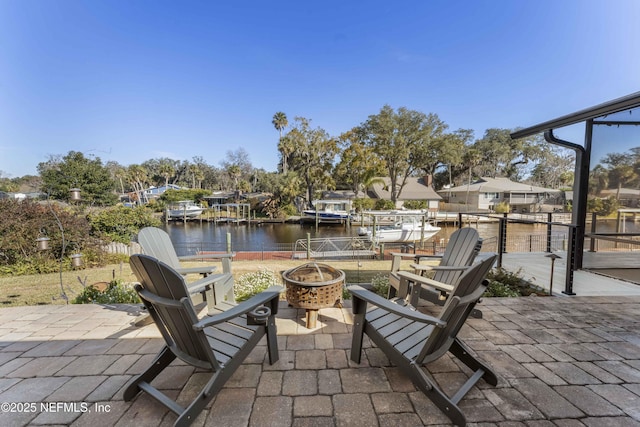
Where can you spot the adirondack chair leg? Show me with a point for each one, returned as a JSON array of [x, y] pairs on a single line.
[[463, 354], [359, 311], [414, 299], [209, 297], [162, 360], [437, 396], [476, 313], [272, 340], [394, 285], [215, 383]]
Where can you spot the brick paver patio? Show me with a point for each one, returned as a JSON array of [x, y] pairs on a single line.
[[561, 361]]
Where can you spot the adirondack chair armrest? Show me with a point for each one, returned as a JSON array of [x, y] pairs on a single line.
[[477, 294], [196, 270], [421, 280], [155, 299], [419, 257], [424, 267], [205, 283], [270, 294], [361, 293], [206, 256], [403, 255]]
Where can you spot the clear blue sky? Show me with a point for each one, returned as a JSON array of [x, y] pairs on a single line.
[[133, 80]]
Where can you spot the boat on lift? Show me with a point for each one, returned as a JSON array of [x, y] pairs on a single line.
[[404, 229], [184, 209], [329, 211]]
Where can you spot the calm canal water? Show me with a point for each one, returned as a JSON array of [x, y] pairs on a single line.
[[269, 237]]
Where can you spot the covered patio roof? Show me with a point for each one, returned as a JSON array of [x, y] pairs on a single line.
[[601, 110], [597, 115]]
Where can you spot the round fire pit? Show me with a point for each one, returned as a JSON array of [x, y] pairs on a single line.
[[314, 286]]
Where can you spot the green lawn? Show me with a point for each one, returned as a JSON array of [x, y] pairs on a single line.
[[45, 288]]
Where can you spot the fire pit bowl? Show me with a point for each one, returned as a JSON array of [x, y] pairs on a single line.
[[314, 286]]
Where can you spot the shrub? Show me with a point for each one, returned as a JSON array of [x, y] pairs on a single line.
[[380, 284], [288, 210], [116, 292], [497, 289], [250, 284], [363, 204], [603, 207], [382, 205], [415, 204], [503, 283], [27, 220], [120, 223], [502, 207]]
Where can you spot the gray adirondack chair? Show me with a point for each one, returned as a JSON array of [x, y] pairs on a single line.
[[218, 343], [412, 340], [157, 243], [461, 251]]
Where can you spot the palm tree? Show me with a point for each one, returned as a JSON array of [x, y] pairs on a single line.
[[166, 170], [280, 122], [138, 176], [235, 173], [471, 158], [195, 172]]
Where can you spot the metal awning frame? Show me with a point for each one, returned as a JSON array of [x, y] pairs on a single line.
[[583, 160]]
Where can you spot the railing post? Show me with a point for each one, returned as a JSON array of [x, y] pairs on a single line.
[[571, 262], [459, 219], [549, 220], [592, 244], [502, 238], [308, 245]]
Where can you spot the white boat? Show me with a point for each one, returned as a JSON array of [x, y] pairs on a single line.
[[408, 229], [330, 211], [184, 208]]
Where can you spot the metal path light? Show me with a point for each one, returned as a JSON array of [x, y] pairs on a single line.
[[76, 260], [553, 258], [74, 195], [43, 243]]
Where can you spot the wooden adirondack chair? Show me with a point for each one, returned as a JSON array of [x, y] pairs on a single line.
[[218, 343], [462, 249], [157, 243], [412, 340]]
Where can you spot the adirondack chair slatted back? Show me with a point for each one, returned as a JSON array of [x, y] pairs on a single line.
[[462, 248], [157, 243], [165, 295], [457, 309]]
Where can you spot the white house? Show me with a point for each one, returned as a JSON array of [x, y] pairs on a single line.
[[626, 196], [486, 193], [155, 192]]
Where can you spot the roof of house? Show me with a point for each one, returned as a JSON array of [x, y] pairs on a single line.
[[161, 189], [414, 189], [498, 185], [624, 193]]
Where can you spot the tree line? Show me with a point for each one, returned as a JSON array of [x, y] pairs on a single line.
[[396, 143]]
